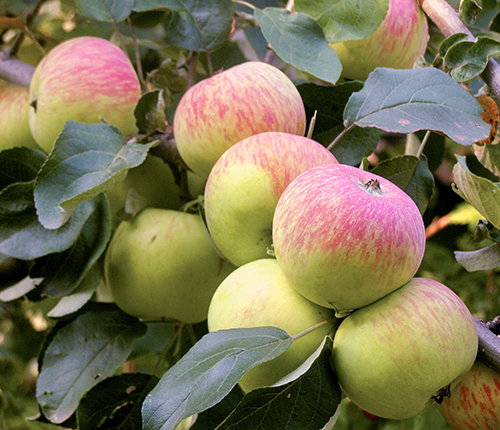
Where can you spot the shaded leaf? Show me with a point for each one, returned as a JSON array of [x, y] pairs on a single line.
[[344, 20], [450, 41], [404, 101], [105, 10], [480, 192], [208, 372], [483, 259], [150, 112], [356, 144], [82, 353], [468, 11], [489, 156], [19, 165], [299, 41], [86, 160]]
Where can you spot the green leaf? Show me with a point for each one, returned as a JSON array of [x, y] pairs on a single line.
[[489, 156], [208, 372], [82, 353], [306, 402], [468, 11], [299, 41], [86, 160], [450, 41], [467, 60], [480, 192], [412, 175], [63, 272], [150, 112], [19, 165], [105, 10], [114, 403], [483, 259], [404, 101], [344, 20], [356, 144]]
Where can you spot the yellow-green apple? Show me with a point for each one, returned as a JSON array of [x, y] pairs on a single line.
[[217, 112], [395, 357], [85, 79], [474, 403], [14, 123], [345, 237], [397, 43], [244, 187], [162, 265], [257, 294]]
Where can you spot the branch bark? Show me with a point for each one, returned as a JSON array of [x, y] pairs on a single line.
[[14, 70], [489, 346]]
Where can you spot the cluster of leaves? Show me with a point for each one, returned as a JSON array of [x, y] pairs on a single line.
[[54, 213]]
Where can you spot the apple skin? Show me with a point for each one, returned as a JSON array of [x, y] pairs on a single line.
[[219, 111], [14, 123], [162, 265], [245, 185], [85, 79], [397, 43], [343, 243], [257, 295], [474, 403], [392, 356]]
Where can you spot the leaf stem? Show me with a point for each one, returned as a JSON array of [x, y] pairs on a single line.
[[340, 135], [314, 327], [422, 145], [244, 3], [138, 62], [178, 328]]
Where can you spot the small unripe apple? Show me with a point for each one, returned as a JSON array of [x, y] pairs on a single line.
[[395, 357], [85, 79], [257, 294], [345, 237], [474, 404], [239, 102], [244, 187], [397, 43], [162, 265]]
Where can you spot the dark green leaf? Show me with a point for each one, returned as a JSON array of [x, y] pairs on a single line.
[[150, 112], [480, 192], [495, 23], [356, 144], [405, 101], [450, 41], [483, 259], [105, 10], [299, 41], [82, 353], [467, 60], [19, 165], [115, 403], [412, 175], [344, 20], [489, 156], [208, 372], [468, 11], [307, 402], [86, 160]]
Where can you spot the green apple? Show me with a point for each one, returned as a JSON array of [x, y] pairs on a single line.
[[85, 79], [244, 100], [474, 404], [258, 294], [14, 123], [395, 357], [162, 265], [397, 43], [245, 185]]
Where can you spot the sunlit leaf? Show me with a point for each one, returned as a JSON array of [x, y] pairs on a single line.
[[483, 259]]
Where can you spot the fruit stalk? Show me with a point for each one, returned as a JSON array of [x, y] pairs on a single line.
[[489, 346]]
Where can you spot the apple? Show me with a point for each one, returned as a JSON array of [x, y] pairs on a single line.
[[345, 237], [397, 43], [14, 123], [396, 356], [245, 184], [474, 403], [244, 100], [162, 265], [84, 79], [258, 294]]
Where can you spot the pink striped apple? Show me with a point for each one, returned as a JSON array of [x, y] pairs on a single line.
[[397, 43], [346, 237], [244, 100], [85, 79], [244, 187], [396, 356], [474, 404]]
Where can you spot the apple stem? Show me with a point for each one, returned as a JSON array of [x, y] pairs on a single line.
[[314, 327]]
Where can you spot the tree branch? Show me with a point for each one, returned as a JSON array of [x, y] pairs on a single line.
[[489, 346], [14, 70]]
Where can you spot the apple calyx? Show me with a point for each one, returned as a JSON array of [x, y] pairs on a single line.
[[441, 394], [372, 187]]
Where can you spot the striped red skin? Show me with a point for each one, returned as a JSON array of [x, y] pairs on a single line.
[[474, 404], [244, 100], [397, 43], [342, 246], [83, 79]]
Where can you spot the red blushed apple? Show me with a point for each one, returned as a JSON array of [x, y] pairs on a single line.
[[244, 187], [345, 237], [474, 404], [85, 79], [219, 111]]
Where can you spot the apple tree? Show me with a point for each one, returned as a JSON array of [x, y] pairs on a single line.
[[121, 304]]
